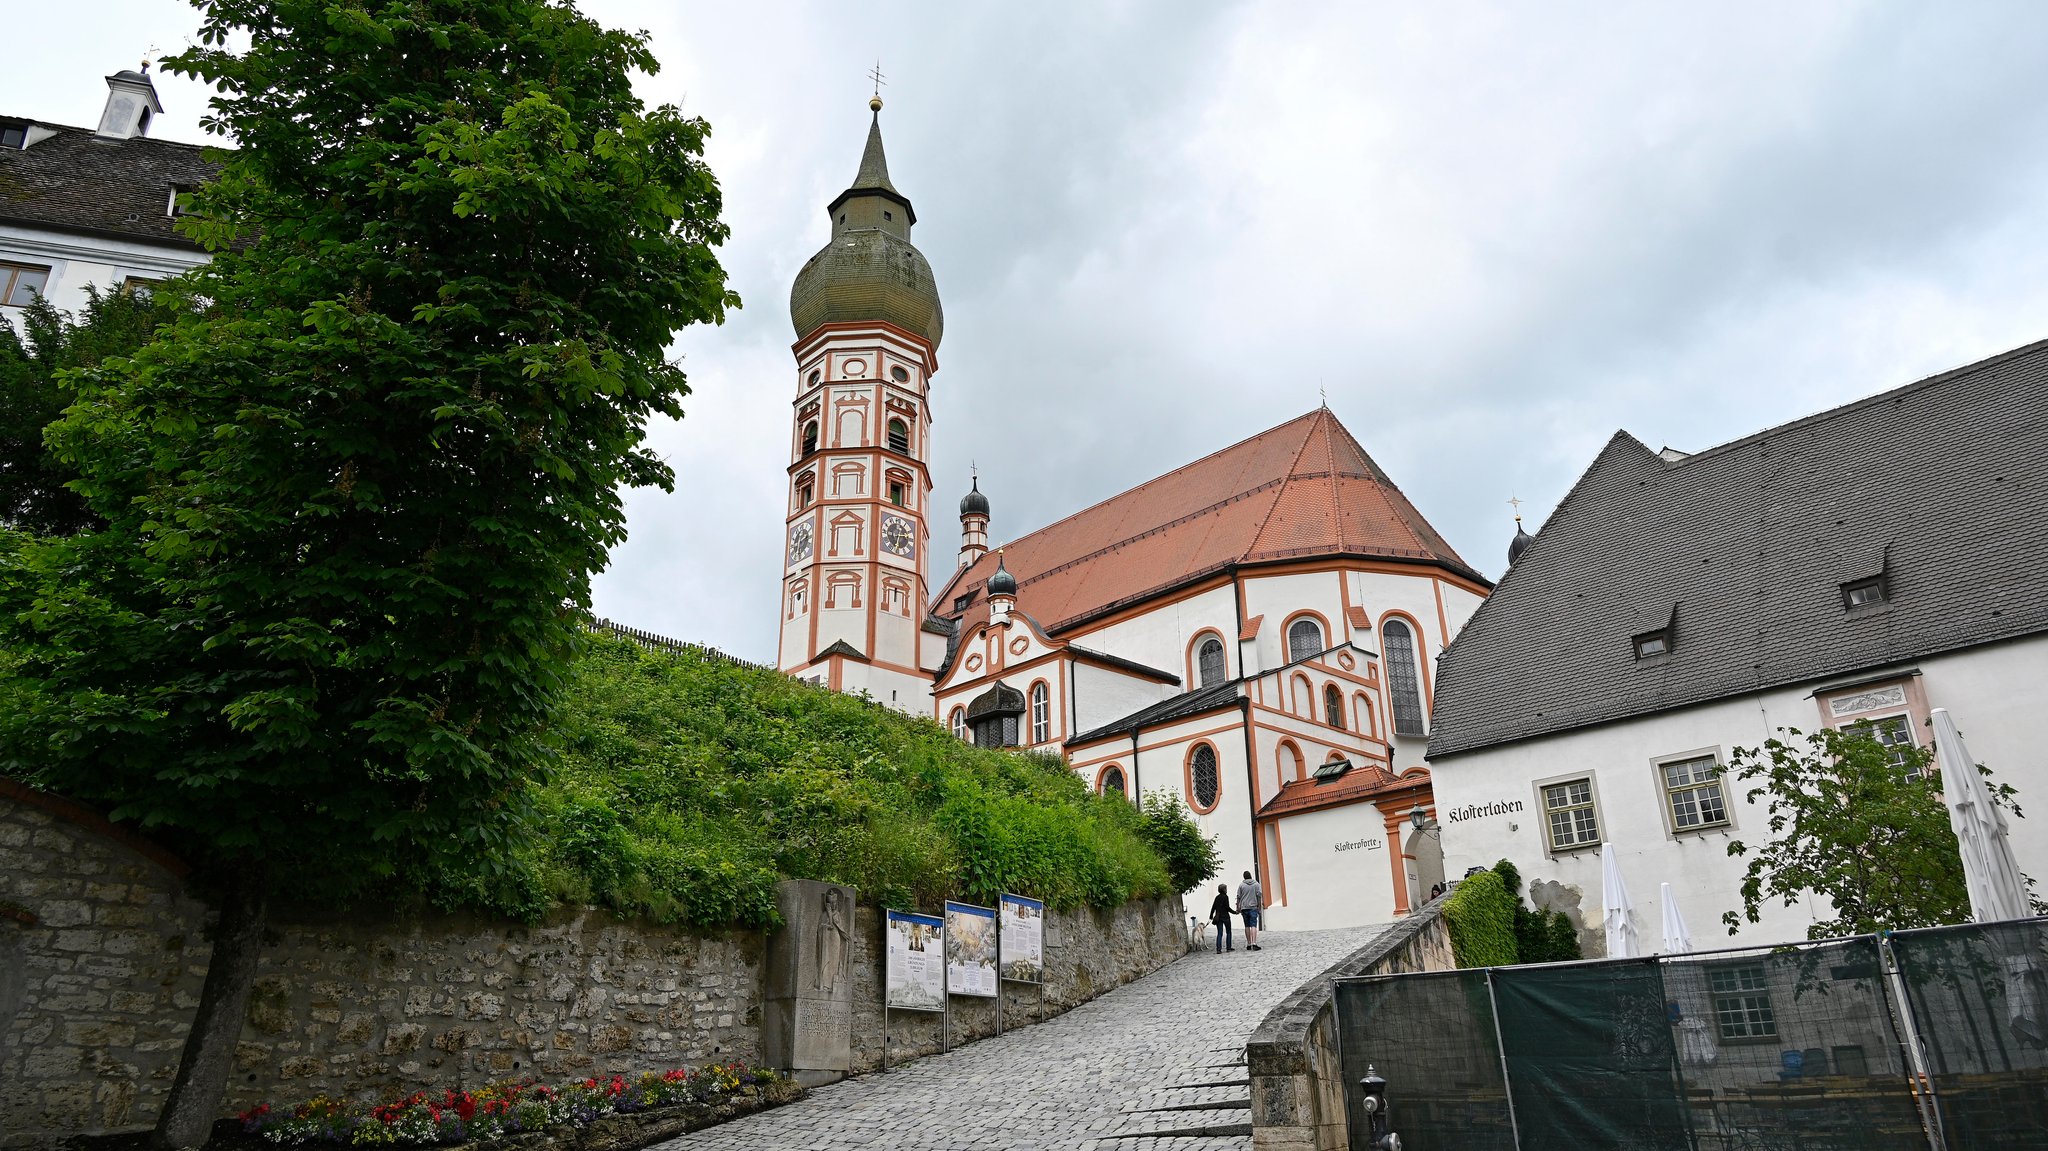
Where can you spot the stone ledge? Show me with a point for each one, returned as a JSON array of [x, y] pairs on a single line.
[[1278, 1047]]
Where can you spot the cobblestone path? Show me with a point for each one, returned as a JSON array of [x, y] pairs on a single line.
[[1075, 1082]]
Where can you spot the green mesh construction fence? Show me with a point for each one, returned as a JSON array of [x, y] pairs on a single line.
[[1794, 1048], [1980, 1000]]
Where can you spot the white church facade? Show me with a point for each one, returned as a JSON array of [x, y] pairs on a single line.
[[1255, 632]]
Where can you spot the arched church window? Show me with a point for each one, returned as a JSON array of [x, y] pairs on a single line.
[[804, 491], [899, 437], [1304, 639], [810, 437], [1113, 781], [1397, 642], [1333, 707], [1205, 785], [958, 723], [1041, 713], [1209, 663]]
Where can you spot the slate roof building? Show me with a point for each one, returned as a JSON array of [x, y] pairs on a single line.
[[1859, 566], [93, 206], [1254, 631]]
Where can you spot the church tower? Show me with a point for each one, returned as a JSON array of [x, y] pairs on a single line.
[[868, 325]]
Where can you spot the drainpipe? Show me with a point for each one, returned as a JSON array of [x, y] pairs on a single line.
[[1137, 784], [1244, 711]]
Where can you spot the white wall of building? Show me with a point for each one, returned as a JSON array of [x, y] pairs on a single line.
[[78, 261], [1339, 869], [1992, 692]]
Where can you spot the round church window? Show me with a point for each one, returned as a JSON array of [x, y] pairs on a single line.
[[856, 368], [901, 376]]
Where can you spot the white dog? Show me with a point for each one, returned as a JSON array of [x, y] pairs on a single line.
[[1198, 932]]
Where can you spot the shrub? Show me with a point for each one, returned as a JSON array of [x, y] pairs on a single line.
[[1481, 914], [1170, 828], [1540, 936]]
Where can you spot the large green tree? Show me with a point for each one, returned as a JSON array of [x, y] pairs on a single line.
[[1858, 822], [34, 495], [353, 505]]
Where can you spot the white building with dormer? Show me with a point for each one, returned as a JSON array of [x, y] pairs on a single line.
[[94, 206]]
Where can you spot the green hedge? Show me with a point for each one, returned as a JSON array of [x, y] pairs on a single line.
[[1481, 913], [688, 786]]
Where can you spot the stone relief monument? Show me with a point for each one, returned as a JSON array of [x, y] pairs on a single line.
[[807, 1000]]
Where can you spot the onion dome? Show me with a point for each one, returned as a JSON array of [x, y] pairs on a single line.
[[1519, 544], [870, 270], [1002, 583], [999, 699], [974, 503]]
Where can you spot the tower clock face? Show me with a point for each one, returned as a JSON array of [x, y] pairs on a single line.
[[898, 537], [800, 543]]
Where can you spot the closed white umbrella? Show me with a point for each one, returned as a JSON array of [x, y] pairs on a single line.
[[1677, 937], [1996, 890], [1620, 922]]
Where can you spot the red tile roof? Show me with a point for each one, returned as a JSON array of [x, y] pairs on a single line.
[[1355, 786], [1302, 490]]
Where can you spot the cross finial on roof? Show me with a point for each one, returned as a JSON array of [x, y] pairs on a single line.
[[875, 74], [1324, 393], [1517, 505]]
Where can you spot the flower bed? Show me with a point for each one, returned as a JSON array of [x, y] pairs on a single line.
[[528, 1107]]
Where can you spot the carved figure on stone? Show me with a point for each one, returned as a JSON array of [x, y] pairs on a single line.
[[833, 934]]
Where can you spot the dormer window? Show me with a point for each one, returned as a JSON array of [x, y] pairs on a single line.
[[1334, 769], [13, 136], [960, 603], [173, 209], [1652, 644], [1863, 593]]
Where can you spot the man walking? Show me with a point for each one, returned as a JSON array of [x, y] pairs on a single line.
[[1250, 900]]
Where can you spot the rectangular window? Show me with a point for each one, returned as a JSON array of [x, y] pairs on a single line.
[[13, 136], [1863, 592], [1742, 1003], [1651, 644], [897, 494], [1570, 808], [20, 284], [1693, 789], [1893, 731]]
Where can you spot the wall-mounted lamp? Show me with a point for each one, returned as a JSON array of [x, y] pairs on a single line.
[[1422, 823]]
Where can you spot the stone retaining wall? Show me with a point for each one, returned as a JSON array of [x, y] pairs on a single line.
[[102, 955], [1298, 1090]]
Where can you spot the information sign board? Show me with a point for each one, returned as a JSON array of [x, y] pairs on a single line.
[[1023, 936], [970, 949], [916, 968]]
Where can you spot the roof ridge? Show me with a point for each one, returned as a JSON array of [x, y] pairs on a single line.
[[1946, 375]]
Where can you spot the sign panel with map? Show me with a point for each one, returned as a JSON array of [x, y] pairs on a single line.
[[970, 949], [1023, 935], [916, 969]]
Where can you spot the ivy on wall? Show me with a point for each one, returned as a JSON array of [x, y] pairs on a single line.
[[1481, 913]]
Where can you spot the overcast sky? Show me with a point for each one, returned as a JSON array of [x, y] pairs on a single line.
[[1494, 234]]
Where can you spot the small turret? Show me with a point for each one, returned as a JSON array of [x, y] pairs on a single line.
[[131, 101], [1002, 593], [973, 524], [1520, 543]]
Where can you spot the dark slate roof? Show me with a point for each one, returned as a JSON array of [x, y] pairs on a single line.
[[79, 181], [1940, 486], [1119, 662], [1166, 711]]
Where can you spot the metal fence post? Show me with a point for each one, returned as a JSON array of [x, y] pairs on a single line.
[[1507, 1084], [1916, 1055]]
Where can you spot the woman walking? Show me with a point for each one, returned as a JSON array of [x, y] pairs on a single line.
[[1219, 914]]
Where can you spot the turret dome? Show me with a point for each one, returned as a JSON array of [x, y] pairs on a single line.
[[974, 503], [869, 270], [1002, 583], [1520, 543]]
